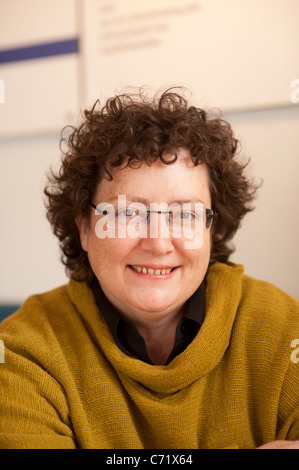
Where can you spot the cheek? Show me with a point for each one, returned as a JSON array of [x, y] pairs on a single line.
[[194, 249], [196, 260], [109, 256]]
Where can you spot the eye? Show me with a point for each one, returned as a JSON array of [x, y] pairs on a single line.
[[183, 215], [127, 212], [186, 215]]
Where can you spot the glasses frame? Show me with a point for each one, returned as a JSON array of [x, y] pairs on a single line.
[[210, 214]]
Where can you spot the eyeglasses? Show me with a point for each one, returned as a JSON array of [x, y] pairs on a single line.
[[188, 216]]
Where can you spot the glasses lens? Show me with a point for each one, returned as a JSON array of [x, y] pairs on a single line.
[[134, 213], [181, 219]]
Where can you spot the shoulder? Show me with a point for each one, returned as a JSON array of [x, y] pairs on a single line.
[[47, 322], [266, 326], [262, 309], [30, 331], [269, 301], [271, 319], [252, 292], [36, 309]]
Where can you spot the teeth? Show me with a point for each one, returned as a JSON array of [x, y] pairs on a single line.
[[156, 272]]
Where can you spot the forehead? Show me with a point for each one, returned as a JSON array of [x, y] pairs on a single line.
[[159, 182]]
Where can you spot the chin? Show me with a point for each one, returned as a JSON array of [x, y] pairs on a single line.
[[156, 307]]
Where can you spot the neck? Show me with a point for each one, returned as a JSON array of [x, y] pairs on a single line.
[[160, 339]]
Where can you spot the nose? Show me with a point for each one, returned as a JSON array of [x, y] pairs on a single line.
[[159, 239]]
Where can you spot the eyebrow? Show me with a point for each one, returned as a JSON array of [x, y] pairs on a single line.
[[146, 201]]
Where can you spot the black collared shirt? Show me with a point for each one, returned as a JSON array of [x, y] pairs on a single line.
[[131, 342]]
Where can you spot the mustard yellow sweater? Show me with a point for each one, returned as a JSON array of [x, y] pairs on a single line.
[[65, 383]]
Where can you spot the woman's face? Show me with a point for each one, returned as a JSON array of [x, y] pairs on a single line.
[[148, 298]]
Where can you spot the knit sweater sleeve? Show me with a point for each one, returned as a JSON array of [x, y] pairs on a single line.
[[288, 419], [273, 355], [33, 408]]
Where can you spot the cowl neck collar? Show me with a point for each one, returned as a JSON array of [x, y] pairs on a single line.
[[223, 293]]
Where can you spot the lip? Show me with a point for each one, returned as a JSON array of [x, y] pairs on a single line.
[[153, 266], [154, 277]]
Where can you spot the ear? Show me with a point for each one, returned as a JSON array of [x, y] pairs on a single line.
[[83, 228]]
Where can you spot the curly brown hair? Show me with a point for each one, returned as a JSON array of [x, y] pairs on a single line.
[[130, 130]]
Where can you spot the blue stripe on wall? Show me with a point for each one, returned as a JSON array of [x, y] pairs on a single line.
[[69, 46], [6, 310]]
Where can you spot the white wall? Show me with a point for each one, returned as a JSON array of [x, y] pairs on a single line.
[[29, 254], [266, 243]]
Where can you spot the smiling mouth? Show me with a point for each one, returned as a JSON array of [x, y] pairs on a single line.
[[155, 272]]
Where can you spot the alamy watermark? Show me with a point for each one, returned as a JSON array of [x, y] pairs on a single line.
[[295, 92], [295, 353], [2, 352], [186, 220], [2, 91]]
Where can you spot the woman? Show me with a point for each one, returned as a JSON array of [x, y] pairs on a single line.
[[158, 341]]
